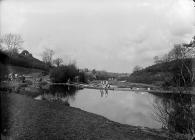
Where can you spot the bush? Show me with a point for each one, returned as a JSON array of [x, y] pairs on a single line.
[[62, 74], [3, 66]]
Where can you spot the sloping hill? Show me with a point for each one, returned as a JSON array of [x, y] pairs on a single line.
[[23, 70], [26, 61], [19, 63], [159, 74]]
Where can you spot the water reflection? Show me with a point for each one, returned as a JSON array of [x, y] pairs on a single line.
[[168, 111], [121, 106], [174, 112], [57, 93], [104, 92]]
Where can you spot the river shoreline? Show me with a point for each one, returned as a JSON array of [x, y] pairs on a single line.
[[154, 91], [26, 93], [29, 120]]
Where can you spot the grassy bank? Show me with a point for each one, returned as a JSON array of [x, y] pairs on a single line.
[[25, 118]]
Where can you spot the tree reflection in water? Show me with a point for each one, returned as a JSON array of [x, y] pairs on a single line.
[[175, 112], [59, 93]]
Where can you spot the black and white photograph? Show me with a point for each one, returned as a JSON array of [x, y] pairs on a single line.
[[97, 69]]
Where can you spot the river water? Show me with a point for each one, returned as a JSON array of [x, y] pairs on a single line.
[[127, 107]]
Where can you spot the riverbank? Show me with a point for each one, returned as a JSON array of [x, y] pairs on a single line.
[[96, 84], [137, 88], [25, 118]]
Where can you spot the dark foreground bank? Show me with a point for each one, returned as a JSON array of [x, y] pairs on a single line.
[[25, 118]]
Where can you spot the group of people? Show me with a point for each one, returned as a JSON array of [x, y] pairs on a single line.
[[16, 76], [105, 84]]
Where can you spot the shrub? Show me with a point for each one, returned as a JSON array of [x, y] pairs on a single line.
[[62, 74]]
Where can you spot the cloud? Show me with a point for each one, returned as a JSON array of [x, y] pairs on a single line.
[[11, 21], [114, 35], [181, 18]]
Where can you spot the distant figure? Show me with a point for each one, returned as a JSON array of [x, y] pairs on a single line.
[[10, 77], [105, 84], [16, 75], [102, 92], [23, 79], [106, 92], [40, 79]]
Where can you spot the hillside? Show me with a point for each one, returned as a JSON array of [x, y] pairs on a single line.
[[22, 63], [159, 74], [26, 61], [23, 70]]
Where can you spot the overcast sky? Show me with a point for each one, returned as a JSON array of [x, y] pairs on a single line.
[[112, 35]]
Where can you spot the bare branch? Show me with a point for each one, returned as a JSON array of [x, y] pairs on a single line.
[[12, 43], [47, 56]]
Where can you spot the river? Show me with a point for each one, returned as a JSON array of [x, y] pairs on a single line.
[[127, 107]]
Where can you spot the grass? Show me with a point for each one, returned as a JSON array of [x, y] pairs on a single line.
[[23, 70], [25, 118]]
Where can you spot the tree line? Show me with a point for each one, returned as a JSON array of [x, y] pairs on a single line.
[[179, 51], [183, 56], [11, 45], [174, 69]]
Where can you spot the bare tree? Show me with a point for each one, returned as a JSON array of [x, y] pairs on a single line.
[[174, 112], [12, 42], [187, 71], [166, 58], [184, 70], [190, 48], [178, 52], [137, 68], [58, 61], [161, 113], [47, 56], [190, 53], [156, 59], [1, 43], [183, 79]]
